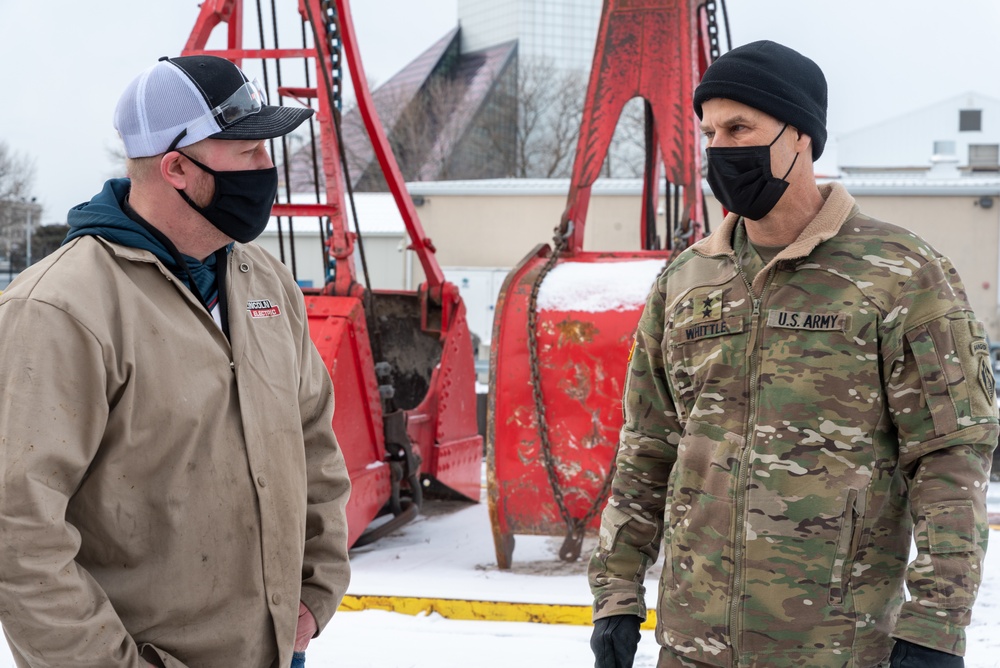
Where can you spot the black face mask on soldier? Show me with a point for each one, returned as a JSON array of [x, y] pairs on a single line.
[[742, 181], [242, 202]]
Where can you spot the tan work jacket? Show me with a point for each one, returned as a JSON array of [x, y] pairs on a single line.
[[163, 492]]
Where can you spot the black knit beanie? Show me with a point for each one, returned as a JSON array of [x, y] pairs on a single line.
[[774, 79]]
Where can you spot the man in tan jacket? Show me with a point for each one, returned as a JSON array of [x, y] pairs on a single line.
[[171, 490]]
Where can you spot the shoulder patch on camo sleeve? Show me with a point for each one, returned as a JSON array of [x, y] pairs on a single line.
[[986, 378]]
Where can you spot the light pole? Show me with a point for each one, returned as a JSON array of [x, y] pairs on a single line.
[[27, 231], [27, 234], [29, 206]]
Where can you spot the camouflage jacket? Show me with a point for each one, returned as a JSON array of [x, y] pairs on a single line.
[[786, 432]]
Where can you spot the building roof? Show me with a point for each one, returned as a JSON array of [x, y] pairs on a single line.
[[890, 183], [377, 215], [477, 73], [521, 187], [909, 141], [391, 99], [466, 82], [916, 184]]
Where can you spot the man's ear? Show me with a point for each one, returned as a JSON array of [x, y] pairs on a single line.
[[175, 170], [803, 141]]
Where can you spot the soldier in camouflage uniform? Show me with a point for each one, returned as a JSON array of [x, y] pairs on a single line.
[[809, 389]]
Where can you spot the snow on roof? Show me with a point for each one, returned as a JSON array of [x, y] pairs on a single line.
[[377, 214], [878, 183], [917, 184], [521, 187]]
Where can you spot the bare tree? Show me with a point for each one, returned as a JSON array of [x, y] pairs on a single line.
[[627, 152], [428, 130], [550, 103], [528, 129], [549, 107], [420, 127], [17, 173], [119, 161]]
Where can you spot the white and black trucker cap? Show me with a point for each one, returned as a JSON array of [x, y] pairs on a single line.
[[180, 97]]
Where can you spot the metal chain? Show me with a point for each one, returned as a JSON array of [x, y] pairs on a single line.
[[575, 528], [713, 29], [332, 21]]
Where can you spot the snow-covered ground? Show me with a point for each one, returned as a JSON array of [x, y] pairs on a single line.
[[451, 555], [448, 553]]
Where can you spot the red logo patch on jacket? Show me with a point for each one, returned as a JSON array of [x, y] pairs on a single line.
[[262, 308]]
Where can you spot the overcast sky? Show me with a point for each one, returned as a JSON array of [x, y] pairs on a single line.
[[64, 64]]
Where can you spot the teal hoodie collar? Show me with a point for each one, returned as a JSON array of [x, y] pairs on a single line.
[[104, 216]]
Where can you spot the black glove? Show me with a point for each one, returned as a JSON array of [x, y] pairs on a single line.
[[907, 655], [615, 640]]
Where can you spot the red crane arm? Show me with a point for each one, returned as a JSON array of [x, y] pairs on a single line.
[[420, 243], [647, 49]]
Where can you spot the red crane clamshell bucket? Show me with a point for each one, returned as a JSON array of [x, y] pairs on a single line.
[[401, 362], [583, 340], [566, 318]]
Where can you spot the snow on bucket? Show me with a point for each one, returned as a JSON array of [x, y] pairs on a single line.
[[598, 287]]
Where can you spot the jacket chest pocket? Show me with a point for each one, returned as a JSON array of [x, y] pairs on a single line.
[[704, 359], [271, 356], [821, 354]]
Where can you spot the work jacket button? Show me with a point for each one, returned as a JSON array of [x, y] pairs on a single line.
[[276, 599], [244, 267], [262, 481]]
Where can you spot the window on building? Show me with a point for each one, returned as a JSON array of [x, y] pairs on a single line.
[[984, 157], [970, 120], [944, 147]]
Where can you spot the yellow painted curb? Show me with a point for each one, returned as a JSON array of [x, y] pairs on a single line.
[[489, 611]]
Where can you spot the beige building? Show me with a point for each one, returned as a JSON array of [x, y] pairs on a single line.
[[959, 217], [481, 228], [383, 238]]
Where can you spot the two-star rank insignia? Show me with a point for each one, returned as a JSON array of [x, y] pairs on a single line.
[[709, 307]]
